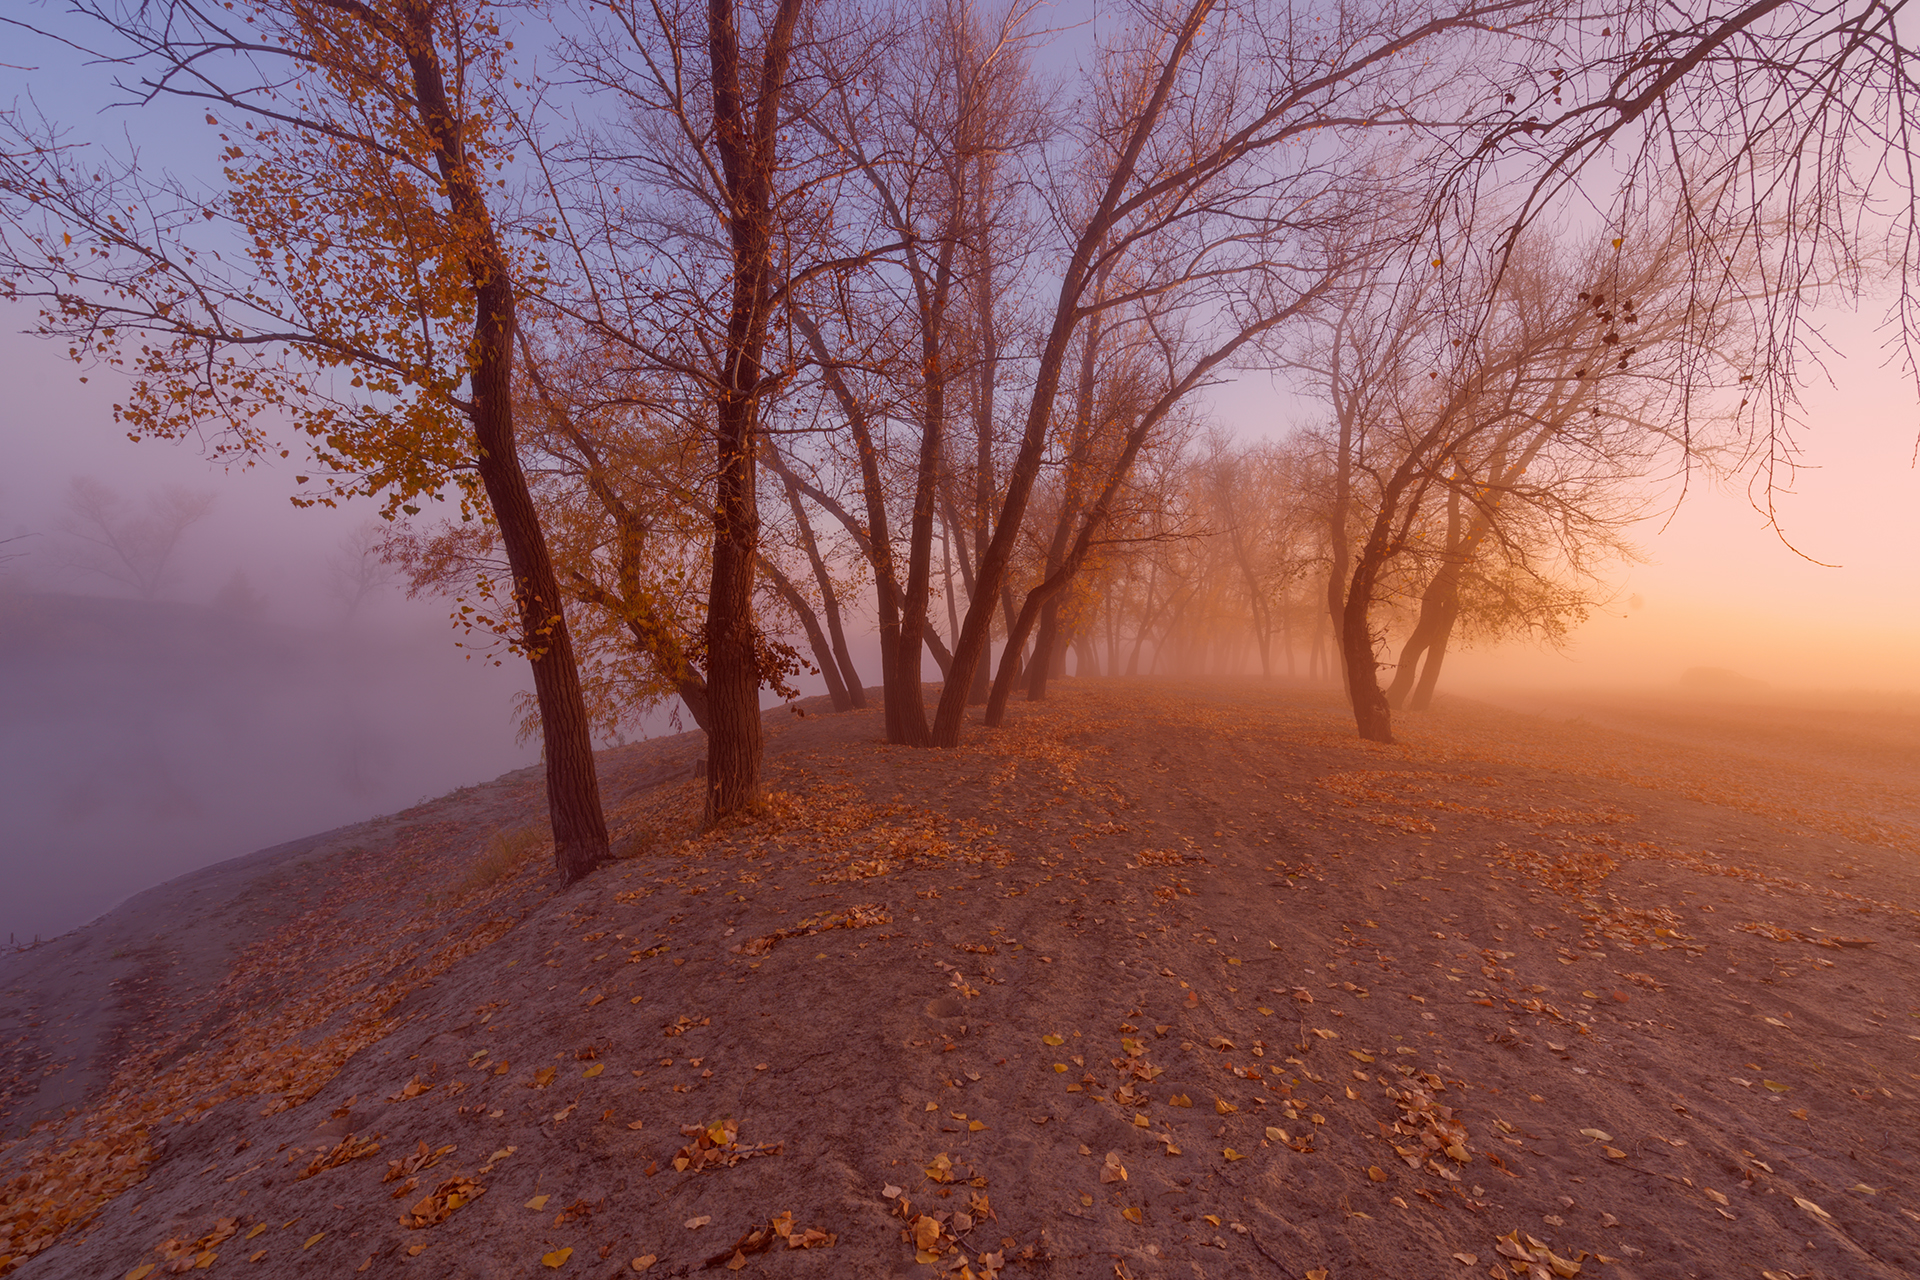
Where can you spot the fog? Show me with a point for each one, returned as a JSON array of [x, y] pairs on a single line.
[[250, 693], [143, 739]]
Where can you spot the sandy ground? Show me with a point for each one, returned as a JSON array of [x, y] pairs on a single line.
[[1163, 980]]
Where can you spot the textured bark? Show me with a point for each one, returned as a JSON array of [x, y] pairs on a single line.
[[1371, 715], [746, 135], [573, 788]]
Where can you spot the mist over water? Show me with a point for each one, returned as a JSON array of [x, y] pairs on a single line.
[[143, 739]]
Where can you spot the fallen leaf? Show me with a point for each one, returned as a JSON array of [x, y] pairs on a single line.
[[1812, 1208], [556, 1259], [594, 1070], [313, 1239], [1598, 1135], [1715, 1196], [636, 1124], [1053, 1042], [1614, 1153], [1231, 1154], [1179, 1100], [1467, 1259], [1276, 1135], [141, 1272], [1113, 1170], [694, 1224], [1224, 1107], [644, 1261], [1132, 1214], [1774, 1086], [1376, 1173]]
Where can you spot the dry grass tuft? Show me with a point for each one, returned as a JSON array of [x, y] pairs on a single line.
[[499, 856]]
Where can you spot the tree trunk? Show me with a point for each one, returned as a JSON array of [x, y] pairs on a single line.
[[573, 787], [829, 601], [1436, 654], [1371, 715], [816, 638], [746, 136], [1437, 604]]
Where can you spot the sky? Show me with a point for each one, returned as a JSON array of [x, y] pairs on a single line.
[[349, 719]]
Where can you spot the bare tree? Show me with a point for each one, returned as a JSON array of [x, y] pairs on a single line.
[[356, 570], [131, 545]]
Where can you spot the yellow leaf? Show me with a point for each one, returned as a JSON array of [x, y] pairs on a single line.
[[1231, 1154], [258, 1227], [644, 1261], [1715, 1196], [141, 1272], [1059, 1068], [1363, 1057], [1276, 1135], [556, 1259], [1224, 1107], [933, 1106], [1812, 1208], [544, 1077], [926, 1231], [694, 1224], [594, 1070], [1053, 1042], [975, 1126], [737, 1261], [1467, 1259], [1179, 1100], [1214, 1218], [538, 1202], [1775, 1086], [1614, 1153], [1132, 1214], [1376, 1173], [1598, 1135], [414, 1251], [313, 1239]]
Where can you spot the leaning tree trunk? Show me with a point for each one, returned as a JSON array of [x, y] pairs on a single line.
[[1437, 606], [816, 638], [1371, 715], [1436, 654], [573, 788]]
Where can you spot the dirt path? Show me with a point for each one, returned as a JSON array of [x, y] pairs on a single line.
[[1161, 981]]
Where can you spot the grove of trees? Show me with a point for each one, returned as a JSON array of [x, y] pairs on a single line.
[[675, 339]]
